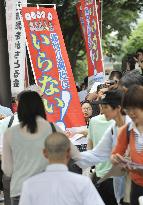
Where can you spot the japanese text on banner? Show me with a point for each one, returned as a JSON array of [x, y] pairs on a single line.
[[92, 40], [51, 66]]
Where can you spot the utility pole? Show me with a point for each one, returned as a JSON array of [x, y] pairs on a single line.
[[5, 87]]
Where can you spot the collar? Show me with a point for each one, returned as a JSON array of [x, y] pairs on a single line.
[[57, 167], [133, 127]]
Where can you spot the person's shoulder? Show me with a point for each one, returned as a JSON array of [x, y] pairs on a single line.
[[96, 118], [101, 119], [13, 128], [42, 122], [123, 130], [35, 179], [47, 124], [78, 178], [127, 119]]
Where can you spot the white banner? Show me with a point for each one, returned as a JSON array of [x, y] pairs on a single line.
[[16, 44]]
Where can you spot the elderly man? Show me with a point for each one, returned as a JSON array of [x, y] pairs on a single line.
[[57, 185]]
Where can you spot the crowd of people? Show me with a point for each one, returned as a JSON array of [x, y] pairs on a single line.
[[36, 154]]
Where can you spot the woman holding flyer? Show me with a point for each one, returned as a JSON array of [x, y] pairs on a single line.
[[133, 103], [111, 108]]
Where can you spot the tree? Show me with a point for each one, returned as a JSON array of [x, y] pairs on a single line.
[[135, 40], [117, 16]]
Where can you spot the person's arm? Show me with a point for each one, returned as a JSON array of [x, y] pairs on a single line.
[[121, 146], [89, 144], [74, 151], [25, 195], [7, 161], [100, 153], [90, 141], [90, 195]]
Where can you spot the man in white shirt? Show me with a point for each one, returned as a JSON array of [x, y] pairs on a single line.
[[57, 185]]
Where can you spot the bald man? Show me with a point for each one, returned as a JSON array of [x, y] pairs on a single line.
[[57, 185]]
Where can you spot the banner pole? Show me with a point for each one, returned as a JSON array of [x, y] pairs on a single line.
[[101, 17]]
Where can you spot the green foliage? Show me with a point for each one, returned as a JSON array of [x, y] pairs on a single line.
[[80, 71], [135, 40], [118, 16]]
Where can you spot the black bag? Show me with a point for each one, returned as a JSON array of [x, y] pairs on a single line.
[[53, 127]]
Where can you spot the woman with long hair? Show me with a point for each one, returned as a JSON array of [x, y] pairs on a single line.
[[22, 144]]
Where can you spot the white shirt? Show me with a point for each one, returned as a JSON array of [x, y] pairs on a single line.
[[22, 154], [4, 125], [103, 150], [58, 186]]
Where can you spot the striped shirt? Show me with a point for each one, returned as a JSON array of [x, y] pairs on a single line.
[[138, 137]]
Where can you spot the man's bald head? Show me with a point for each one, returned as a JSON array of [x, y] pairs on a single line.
[[57, 147]]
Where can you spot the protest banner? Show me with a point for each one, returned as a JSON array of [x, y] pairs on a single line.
[[92, 41], [16, 44], [51, 66], [80, 16]]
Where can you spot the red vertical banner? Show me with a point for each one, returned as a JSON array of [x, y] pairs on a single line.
[[92, 41], [80, 16], [51, 66]]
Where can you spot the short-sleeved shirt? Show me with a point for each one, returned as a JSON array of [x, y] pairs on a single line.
[[136, 149], [97, 127]]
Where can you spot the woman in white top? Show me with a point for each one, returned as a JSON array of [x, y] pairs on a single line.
[[22, 144]]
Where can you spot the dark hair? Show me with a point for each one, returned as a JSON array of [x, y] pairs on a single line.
[[133, 97], [115, 73], [131, 78], [86, 81], [114, 99], [86, 101], [29, 107], [19, 94], [128, 58], [140, 50], [131, 61]]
